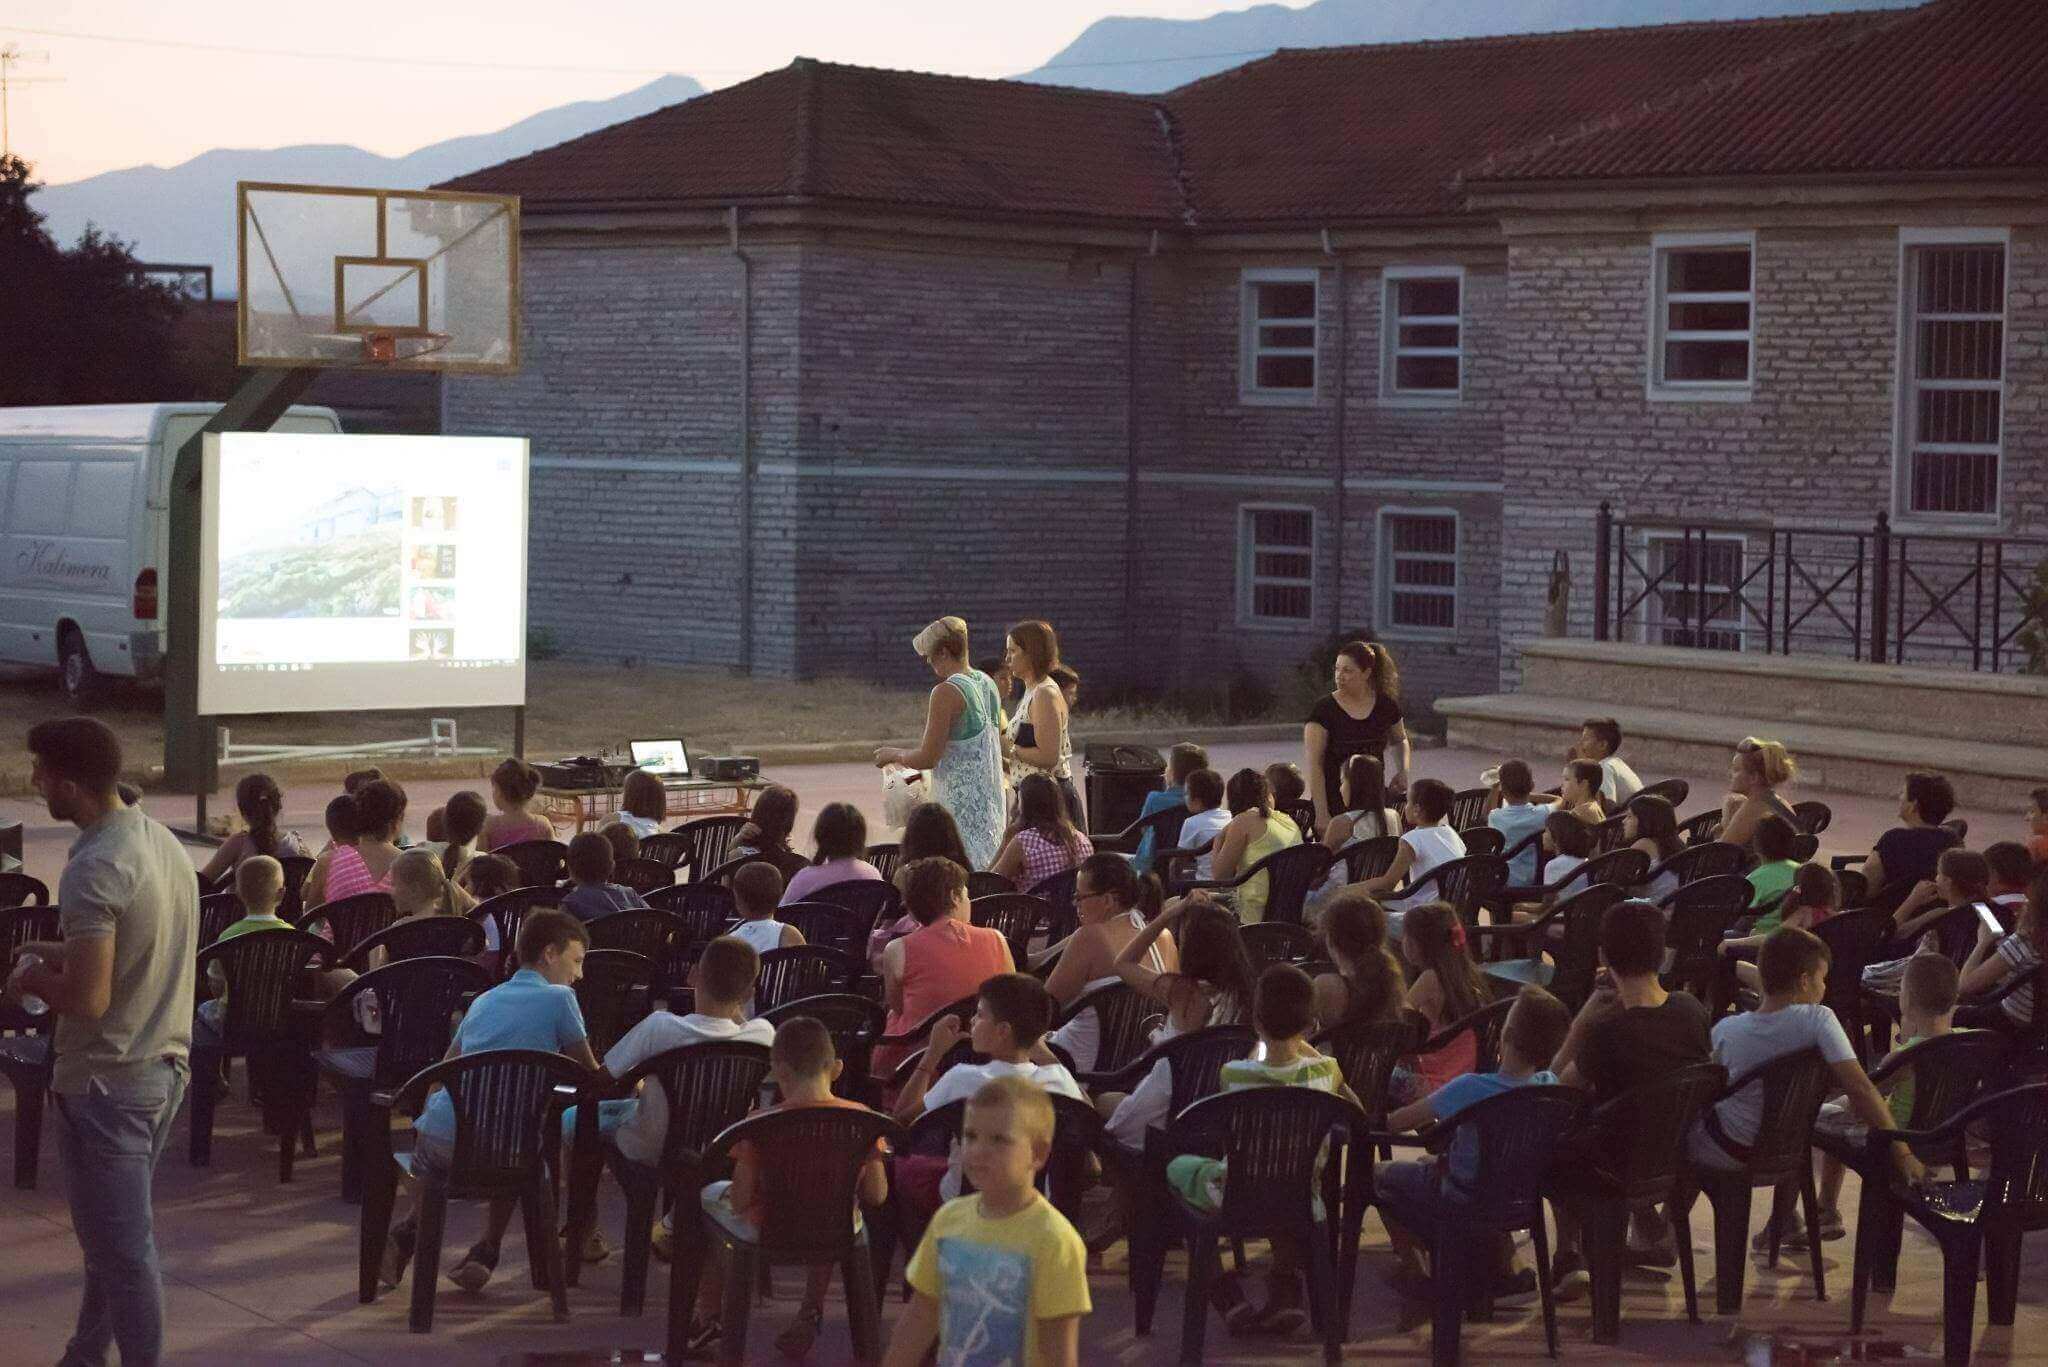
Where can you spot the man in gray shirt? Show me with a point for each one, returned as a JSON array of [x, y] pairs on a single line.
[[120, 986]]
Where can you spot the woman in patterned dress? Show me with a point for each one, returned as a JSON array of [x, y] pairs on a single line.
[[962, 745]]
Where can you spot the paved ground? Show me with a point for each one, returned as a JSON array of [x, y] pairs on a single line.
[[261, 1273]]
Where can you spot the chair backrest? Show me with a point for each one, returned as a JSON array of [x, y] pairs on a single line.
[[1955, 932], [1195, 1061], [1270, 1138], [1369, 858], [507, 910], [1949, 1072], [706, 1088], [503, 1103], [296, 867], [648, 931], [643, 875], [805, 971], [1303, 815], [855, 1023], [706, 908], [1622, 868], [918, 1033], [870, 902], [2016, 1188], [1792, 1087], [1483, 840], [22, 890], [1164, 825], [1291, 875], [709, 841], [1015, 915], [217, 911], [816, 1154], [788, 863], [352, 920], [417, 936], [1577, 958], [1607, 835], [261, 969], [1057, 892], [1471, 883], [1812, 817], [1468, 807], [667, 848], [984, 883], [1278, 942], [1701, 913], [1121, 1015], [885, 858], [1486, 1024], [1853, 939], [1367, 1052], [417, 1000], [826, 925], [541, 863], [605, 993], [1673, 790], [1701, 829], [1708, 859], [1641, 1134], [1512, 1136]]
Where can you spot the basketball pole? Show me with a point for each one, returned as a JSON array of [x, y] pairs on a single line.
[[191, 749]]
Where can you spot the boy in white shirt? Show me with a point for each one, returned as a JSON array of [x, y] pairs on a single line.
[[1205, 802], [1599, 740], [756, 892]]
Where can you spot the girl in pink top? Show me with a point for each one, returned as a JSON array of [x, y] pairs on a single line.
[[944, 959], [375, 818], [1045, 841], [1448, 989], [513, 785], [841, 836]]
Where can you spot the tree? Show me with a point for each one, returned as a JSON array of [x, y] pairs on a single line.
[[80, 325]]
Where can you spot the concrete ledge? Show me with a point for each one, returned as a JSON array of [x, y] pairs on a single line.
[[1813, 668]]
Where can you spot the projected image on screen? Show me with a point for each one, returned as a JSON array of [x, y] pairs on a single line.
[[348, 572]]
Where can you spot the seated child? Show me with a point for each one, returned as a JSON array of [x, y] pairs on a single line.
[[1814, 895], [2012, 868], [593, 893], [1961, 877], [1776, 840], [1207, 816], [1448, 987], [1290, 789], [625, 845], [1516, 817], [1182, 760], [259, 887], [804, 1067], [1578, 791], [1428, 843], [999, 1276], [756, 892], [1567, 843]]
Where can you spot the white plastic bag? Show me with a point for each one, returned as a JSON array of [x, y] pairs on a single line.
[[902, 790]]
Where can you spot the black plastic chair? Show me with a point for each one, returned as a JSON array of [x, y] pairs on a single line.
[[706, 908], [264, 1023], [806, 1212], [613, 994], [1701, 829], [507, 911], [1367, 1052], [788, 863], [984, 883], [826, 926], [217, 911], [23, 890], [705, 1088], [1568, 973], [1516, 1134], [1976, 1222], [1853, 939], [668, 849], [417, 1000], [708, 844], [1483, 840], [1194, 1062], [1792, 1086], [912, 1040], [1468, 807], [25, 1051], [855, 1023], [1470, 884], [1486, 1025], [1014, 915], [1163, 825], [1057, 893], [1369, 858], [1713, 859], [1812, 817], [505, 1103], [804, 971], [1629, 1152], [1279, 942], [296, 867], [870, 904], [541, 863], [643, 930], [351, 920], [1123, 1016], [1291, 874], [415, 936], [885, 858], [643, 875], [1271, 1140], [1673, 790], [1701, 913]]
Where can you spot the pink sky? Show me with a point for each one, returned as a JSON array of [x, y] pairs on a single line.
[[129, 103]]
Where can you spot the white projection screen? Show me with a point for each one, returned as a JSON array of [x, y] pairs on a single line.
[[346, 573]]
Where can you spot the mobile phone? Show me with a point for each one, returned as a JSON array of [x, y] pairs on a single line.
[[1990, 919]]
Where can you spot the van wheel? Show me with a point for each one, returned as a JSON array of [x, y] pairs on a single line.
[[83, 684]]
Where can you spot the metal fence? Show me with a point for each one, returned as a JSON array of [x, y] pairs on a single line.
[[1863, 593]]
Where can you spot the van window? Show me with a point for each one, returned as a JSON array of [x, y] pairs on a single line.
[[42, 497]]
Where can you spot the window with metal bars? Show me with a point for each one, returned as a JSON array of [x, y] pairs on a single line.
[[1424, 333], [1694, 602], [1418, 572], [1276, 564], [1954, 391], [1703, 322], [1279, 341]]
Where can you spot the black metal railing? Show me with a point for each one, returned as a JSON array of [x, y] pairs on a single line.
[[1867, 593]]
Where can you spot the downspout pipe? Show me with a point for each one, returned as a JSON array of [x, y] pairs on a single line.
[[746, 440], [1337, 433], [1133, 394]]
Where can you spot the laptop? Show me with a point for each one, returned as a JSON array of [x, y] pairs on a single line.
[[663, 758]]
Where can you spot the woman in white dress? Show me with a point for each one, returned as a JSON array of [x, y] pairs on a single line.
[[1037, 740], [962, 745]]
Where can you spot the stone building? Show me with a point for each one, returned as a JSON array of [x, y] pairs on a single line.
[[1341, 339]]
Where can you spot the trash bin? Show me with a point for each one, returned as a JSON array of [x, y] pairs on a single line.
[[1118, 777]]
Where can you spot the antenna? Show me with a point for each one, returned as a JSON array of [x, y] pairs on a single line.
[[12, 56]]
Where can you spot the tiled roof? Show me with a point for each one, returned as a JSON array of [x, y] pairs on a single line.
[[1959, 85], [819, 131]]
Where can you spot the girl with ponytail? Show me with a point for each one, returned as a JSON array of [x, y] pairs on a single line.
[[260, 801]]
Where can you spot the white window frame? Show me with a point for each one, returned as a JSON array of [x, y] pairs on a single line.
[[1247, 565], [1696, 391], [1249, 350], [1390, 338], [1905, 386], [1383, 575], [1651, 629]]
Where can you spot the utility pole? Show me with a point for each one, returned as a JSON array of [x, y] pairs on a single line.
[[10, 57]]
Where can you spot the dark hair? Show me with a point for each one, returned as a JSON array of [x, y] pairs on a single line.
[[1355, 929], [259, 800], [1433, 797], [547, 928], [929, 832], [1113, 874], [516, 779], [839, 832], [2040, 797], [1021, 1002], [380, 807], [1283, 1002], [1775, 839], [341, 819], [1042, 807], [83, 750], [727, 970], [1569, 835], [1376, 660], [1287, 784], [1183, 759], [1632, 938], [590, 858], [1789, 954], [1932, 982], [1206, 787], [1365, 786], [1588, 772], [774, 816], [1933, 794], [462, 821], [1606, 730], [1248, 791], [2010, 863], [353, 784], [437, 825], [1038, 643], [992, 665], [1516, 781], [1968, 870], [1657, 821], [625, 845], [1065, 676], [1536, 1026], [930, 887], [756, 888], [803, 1047], [1813, 885], [644, 797], [1433, 926], [1212, 952], [490, 875]]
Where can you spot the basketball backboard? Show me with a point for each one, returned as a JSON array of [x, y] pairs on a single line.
[[330, 276]]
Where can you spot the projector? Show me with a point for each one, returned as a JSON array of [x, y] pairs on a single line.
[[728, 768], [582, 771]]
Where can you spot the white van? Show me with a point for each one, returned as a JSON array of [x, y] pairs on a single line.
[[84, 533]]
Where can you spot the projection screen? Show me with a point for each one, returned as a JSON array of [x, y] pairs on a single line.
[[351, 573]]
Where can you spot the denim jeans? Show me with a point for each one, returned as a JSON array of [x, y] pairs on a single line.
[[113, 1134]]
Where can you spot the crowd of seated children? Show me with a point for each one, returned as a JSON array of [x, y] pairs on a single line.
[[1182, 760], [1044, 841], [1207, 816], [1447, 988], [1257, 828], [1107, 894], [1600, 742], [839, 837], [1756, 771], [756, 895], [1516, 816], [260, 802], [945, 959], [592, 893], [513, 786], [1428, 843]]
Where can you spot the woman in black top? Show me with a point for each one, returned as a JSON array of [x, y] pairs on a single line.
[[1361, 717]]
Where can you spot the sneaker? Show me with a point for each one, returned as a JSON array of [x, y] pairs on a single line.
[[700, 1340], [1831, 1228], [1791, 1234], [397, 1254], [475, 1269], [1569, 1280], [1284, 1312], [1661, 1254], [795, 1342], [595, 1249], [1226, 1294], [1517, 1288]]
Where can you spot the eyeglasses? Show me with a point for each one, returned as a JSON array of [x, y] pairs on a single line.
[[1080, 897]]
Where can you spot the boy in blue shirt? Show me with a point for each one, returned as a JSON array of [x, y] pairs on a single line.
[[533, 1009], [593, 893], [1181, 760]]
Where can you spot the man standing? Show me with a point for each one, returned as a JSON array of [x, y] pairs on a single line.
[[120, 986]]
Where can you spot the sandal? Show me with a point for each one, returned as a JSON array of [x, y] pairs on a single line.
[[397, 1255], [476, 1267], [1283, 1313], [1226, 1294], [795, 1342]]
